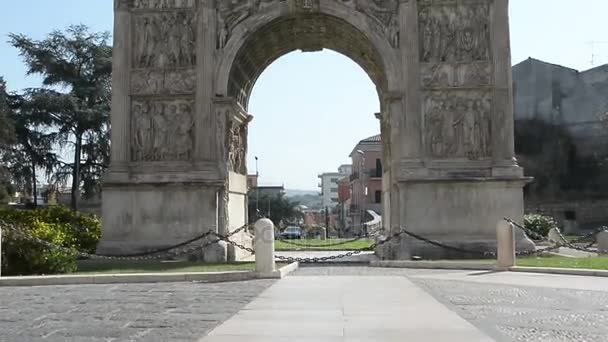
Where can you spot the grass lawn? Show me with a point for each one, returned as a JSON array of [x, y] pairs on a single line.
[[160, 267], [322, 245], [595, 263]]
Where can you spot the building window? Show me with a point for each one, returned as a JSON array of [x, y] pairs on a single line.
[[334, 190], [334, 180], [378, 196], [378, 168]]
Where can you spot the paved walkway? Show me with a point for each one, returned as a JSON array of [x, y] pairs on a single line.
[[330, 303], [346, 308]]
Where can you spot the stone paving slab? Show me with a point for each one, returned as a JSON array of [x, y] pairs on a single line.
[[346, 308]]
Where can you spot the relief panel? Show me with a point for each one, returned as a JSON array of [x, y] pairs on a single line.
[[382, 13], [164, 39], [456, 75], [163, 4], [237, 147], [162, 130], [457, 124], [159, 82], [452, 31]]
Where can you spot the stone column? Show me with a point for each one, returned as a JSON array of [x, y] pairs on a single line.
[[121, 104], [503, 146], [407, 112]]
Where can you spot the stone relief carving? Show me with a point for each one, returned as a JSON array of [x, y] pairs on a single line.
[[162, 130], [163, 4], [450, 75], [454, 32], [458, 124], [237, 147], [164, 40], [383, 13], [156, 82]]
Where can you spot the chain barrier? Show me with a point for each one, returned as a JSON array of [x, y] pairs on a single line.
[[564, 241], [335, 244], [177, 250], [340, 256]]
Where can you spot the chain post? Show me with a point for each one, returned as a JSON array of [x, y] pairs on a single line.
[[602, 242], [505, 240], [265, 263]]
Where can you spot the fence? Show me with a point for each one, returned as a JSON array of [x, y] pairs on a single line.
[[265, 258]]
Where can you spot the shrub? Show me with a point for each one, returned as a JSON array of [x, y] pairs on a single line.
[[539, 224], [58, 225]]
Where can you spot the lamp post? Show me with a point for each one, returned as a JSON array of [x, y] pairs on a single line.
[[363, 187], [257, 189]]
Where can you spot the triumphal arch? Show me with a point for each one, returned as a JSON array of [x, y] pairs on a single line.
[[183, 72]]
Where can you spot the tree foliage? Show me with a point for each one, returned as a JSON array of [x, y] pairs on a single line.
[[279, 209], [7, 135], [78, 63]]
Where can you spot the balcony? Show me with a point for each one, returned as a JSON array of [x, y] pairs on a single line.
[[354, 176], [374, 173]]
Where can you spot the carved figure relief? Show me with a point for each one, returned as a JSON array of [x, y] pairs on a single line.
[[383, 13], [237, 147], [230, 13], [158, 82], [163, 4], [164, 40], [162, 130], [454, 32], [453, 75], [458, 124]]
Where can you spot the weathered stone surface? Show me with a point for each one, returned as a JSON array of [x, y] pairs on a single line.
[[184, 72], [130, 312]]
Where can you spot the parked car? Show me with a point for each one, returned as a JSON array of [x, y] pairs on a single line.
[[292, 232]]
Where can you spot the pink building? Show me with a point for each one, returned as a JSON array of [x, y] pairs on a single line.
[[366, 180]]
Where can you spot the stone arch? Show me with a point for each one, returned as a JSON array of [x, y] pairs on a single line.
[[183, 71], [333, 26]]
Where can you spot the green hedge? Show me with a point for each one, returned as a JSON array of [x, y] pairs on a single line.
[[539, 224], [59, 225]]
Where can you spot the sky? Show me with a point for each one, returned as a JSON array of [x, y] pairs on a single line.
[[310, 109]]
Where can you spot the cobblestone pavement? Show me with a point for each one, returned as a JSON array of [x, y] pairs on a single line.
[[135, 312], [507, 307], [508, 312]]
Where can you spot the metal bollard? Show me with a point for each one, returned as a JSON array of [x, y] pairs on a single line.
[[264, 248], [602, 242], [505, 240]]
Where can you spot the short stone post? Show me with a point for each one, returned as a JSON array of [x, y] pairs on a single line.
[[602, 242], [323, 235], [264, 248], [555, 237], [505, 241]]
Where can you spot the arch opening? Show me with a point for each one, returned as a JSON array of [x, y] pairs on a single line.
[[306, 32]]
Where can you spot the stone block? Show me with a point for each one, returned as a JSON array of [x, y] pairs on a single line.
[[602, 242]]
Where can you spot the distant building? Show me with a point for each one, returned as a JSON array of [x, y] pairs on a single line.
[[270, 191], [366, 180], [562, 141], [575, 100], [329, 185]]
